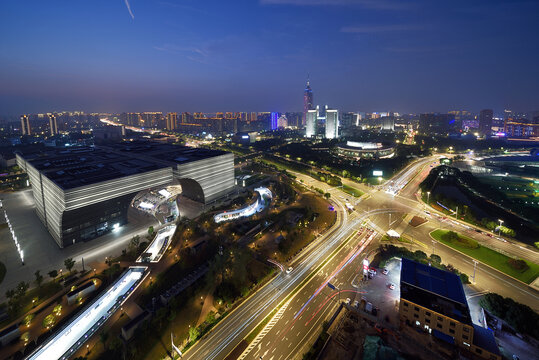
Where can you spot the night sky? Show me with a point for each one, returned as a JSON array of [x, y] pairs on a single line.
[[224, 55]]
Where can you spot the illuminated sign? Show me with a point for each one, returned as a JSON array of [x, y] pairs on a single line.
[[365, 266], [377, 173], [245, 136]]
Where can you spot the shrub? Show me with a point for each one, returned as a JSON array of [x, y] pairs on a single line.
[[518, 264]]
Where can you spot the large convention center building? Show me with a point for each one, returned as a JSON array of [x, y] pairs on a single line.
[[81, 193]]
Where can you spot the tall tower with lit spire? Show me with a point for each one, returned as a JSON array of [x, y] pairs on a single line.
[[307, 100]]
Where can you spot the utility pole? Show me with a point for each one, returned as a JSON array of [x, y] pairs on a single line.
[[457, 213]]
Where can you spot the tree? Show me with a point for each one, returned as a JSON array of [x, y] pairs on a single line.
[[327, 195], [435, 259], [53, 273], [134, 243], [69, 263], [103, 337], [48, 321], [28, 319], [22, 288], [193, 333], [150, 230], [39, 278], [10, 294]]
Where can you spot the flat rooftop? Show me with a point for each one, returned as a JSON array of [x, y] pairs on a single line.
[[74, 167], [433, 280]]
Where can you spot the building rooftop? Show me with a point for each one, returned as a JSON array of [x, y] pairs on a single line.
[[484, 338], [435, 289], [431, 279], [72, 168]]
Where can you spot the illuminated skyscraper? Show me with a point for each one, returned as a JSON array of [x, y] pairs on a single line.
[[274, 118], [53, 124], [311, 123], [332, 124], [25, 125], [307, 101]]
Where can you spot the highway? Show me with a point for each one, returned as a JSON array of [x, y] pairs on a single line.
[[296, 326]]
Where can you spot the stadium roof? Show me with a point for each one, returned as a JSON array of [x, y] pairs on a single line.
[[75, 167]]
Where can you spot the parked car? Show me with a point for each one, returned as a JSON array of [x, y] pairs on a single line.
[[347, 301], [391, 286], [385, 271], [356, 304]]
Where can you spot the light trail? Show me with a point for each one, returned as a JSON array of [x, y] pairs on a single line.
[[347, 261], [329, 298]]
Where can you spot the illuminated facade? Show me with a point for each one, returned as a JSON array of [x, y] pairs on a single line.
[[365, 150], [53, 125], [25, 125], [84, 193], [312, 123], [172, 119], [332, 124], [433, 301], [274, 118], [307, 101]]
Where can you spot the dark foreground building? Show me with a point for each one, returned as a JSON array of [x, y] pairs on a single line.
[[433, 300], [82, 193]]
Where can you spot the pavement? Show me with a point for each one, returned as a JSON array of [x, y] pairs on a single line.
[[41, 251]]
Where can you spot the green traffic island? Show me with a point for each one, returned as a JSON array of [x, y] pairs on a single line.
[[519, 269]]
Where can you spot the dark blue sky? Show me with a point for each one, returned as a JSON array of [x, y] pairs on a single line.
[[197, 55]]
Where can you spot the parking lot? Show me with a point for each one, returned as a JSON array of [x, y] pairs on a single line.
[[378, 293]]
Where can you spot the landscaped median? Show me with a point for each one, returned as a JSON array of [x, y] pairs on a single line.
[[352, 191], [519, 269]]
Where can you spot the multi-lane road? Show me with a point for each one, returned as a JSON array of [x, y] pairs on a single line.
[[336, 258]]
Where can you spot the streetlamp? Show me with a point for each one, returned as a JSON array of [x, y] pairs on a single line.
[[428, 197], [500, 227]]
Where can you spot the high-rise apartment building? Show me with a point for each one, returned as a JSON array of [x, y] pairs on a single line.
[[332, 124], [172, 119], [485, 121], [53, 125], [25, 125], [274, 118], [307, 101], [311, 123]]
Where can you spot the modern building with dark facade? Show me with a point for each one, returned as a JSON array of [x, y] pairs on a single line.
[[485, 121], [82, 193], [433, 300]]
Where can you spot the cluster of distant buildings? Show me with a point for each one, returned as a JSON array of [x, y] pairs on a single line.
[[485, 124], [318, 121]]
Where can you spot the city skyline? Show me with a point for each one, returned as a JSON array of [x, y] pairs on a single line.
[[412, 56]]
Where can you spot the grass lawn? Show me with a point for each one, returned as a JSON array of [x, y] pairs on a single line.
[[490, 257], [352, 190]]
